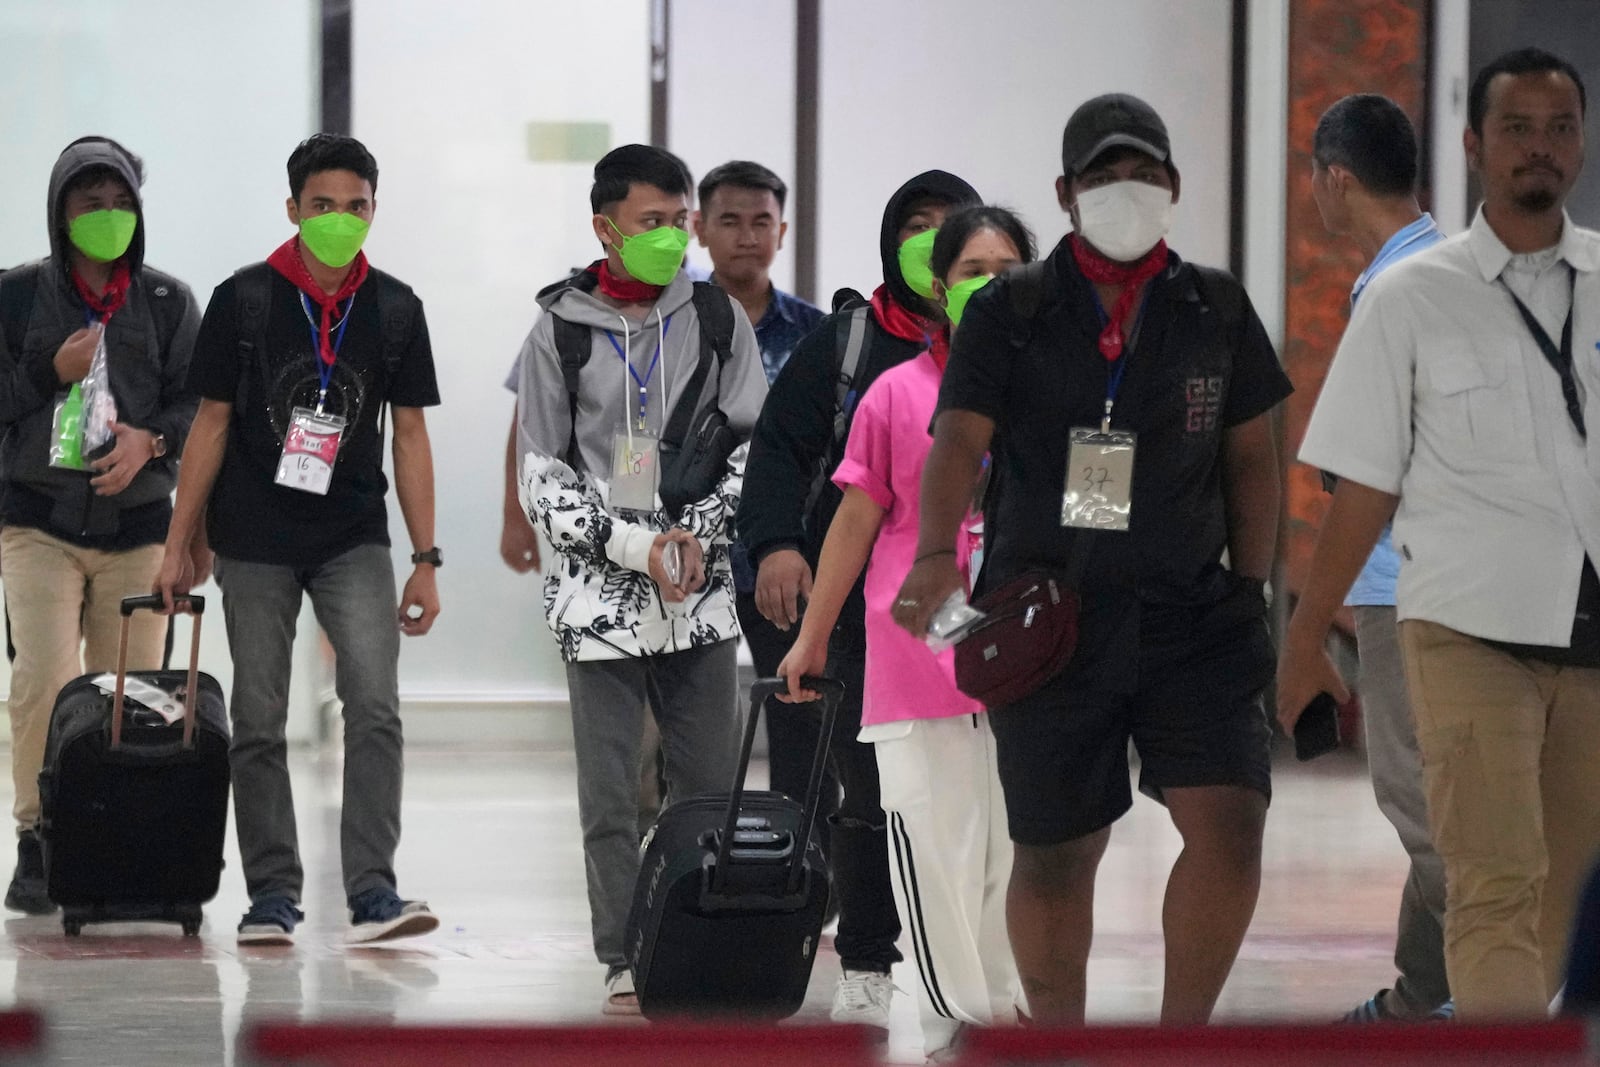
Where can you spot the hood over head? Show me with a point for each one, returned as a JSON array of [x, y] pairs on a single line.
[[937, 184], [77, 157]]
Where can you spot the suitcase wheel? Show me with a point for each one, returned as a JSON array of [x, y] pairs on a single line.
[[72, 927], [191, 928]]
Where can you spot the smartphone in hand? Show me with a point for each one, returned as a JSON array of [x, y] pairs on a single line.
[[672, 562], [1316, 732]]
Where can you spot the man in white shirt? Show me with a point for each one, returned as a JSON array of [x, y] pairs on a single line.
[[1456, 395]]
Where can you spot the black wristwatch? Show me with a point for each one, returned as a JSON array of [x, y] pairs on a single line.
[[431, 557]]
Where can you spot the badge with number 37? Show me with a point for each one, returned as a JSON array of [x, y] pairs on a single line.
[[1099, 486]]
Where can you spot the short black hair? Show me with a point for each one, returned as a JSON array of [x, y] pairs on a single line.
[[1518, 61], [621, 168], [330, 151], [960, 225], [1371, 137], [743, 174]]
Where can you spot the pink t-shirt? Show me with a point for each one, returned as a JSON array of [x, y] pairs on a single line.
[[888, 445]]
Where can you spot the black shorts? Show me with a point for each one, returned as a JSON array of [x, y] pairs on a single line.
[[1194, 713]]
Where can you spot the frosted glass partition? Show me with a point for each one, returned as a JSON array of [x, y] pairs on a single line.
[[213, 97], [455, 100]]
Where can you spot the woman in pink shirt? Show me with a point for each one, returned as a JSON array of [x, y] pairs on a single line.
[[936, 756]]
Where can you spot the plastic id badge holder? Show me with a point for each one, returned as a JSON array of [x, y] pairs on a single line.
[[310, 449], [1098, 494], [635, 471]]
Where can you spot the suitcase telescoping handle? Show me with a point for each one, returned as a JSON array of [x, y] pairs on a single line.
[[194, 605], [832, 691]]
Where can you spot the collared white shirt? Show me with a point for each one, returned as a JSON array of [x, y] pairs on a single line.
[[1441, 395]]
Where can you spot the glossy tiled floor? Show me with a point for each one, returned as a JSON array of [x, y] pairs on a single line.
[[491, 840]]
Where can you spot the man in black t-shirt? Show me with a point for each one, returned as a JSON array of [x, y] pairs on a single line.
[[296, 359], [1132, 357]]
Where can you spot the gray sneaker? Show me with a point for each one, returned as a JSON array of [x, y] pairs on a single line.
[[270, 921], [379, 914]]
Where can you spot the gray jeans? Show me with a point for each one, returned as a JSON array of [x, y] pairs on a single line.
[[354, 598], [1396, 766], [695, 696]]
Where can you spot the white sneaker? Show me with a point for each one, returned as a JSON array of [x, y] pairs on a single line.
[[620, 996], [862, 997]]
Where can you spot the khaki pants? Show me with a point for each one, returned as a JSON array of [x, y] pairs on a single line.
[[1510, 748], [62, 597]]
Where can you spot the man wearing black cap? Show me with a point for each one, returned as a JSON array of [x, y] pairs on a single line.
[[1129, 416], [789, 500]]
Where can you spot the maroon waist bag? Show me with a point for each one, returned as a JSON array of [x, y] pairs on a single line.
[[1028, 635], [1027, 638]]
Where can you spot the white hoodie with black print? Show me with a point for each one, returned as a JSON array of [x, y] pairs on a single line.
[[599, 597]]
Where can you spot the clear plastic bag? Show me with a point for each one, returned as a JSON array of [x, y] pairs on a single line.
[[954, 620], [99, 407], [66, 433]]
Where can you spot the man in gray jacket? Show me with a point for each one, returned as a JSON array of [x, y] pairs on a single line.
[[640, 594], [94, 348]]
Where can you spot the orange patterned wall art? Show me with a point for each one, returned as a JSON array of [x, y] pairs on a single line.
[[1336, 47]]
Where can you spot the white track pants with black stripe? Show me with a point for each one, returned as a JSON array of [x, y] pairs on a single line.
[[950, 859]]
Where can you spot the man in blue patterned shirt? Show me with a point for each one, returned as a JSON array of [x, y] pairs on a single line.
[[740, 225]]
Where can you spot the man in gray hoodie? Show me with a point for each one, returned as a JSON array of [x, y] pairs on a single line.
[[640, 594], [84, 518]]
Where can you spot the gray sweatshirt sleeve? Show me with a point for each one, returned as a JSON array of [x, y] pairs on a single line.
[[566, 504]]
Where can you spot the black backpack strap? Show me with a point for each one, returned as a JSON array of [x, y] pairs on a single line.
[[396, 320], [1222, 293], [847, 299], [573, 345], [1027, 285], [18, 287], [252, 299], [166, 307], [714, 308], [850, 341]]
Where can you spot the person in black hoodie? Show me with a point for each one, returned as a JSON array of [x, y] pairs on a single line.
[[84, 520], [789, 500]]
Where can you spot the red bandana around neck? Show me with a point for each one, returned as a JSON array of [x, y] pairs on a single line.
[[624, 289], [940, 349], [109, 302], [287, 262], [894, 318], [1131, 276]]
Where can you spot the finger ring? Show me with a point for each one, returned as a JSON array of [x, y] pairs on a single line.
[[905, 603]]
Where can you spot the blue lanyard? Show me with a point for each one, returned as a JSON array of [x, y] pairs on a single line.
[[644, 383], [1120, 364], [325, 370]]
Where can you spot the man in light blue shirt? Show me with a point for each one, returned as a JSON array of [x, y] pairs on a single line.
[[1363, 178]]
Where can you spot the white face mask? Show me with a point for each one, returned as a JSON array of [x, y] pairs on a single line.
[[1124, 220]]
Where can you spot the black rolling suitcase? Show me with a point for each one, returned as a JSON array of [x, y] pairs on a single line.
[[732, 891], [135, 808]]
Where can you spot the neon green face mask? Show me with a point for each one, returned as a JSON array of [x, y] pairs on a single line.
[[956, 297], [653, 257], [915, 255], [334, 238], [103, 236]]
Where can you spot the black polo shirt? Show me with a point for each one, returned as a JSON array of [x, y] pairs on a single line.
[[1190, 375]]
